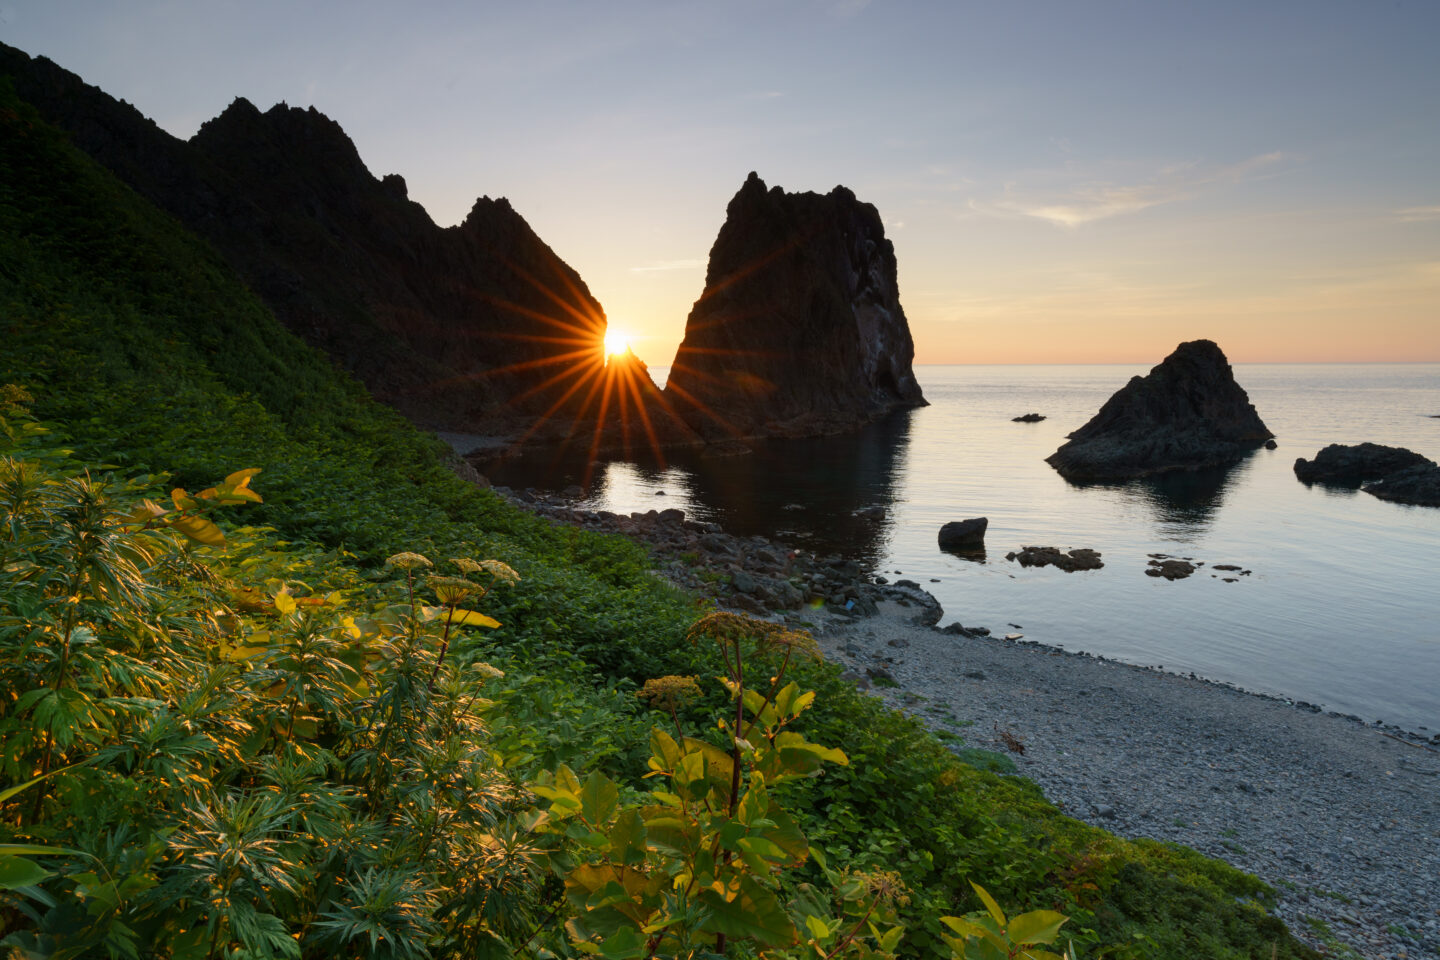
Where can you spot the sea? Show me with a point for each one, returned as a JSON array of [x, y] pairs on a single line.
[[1336, 603]]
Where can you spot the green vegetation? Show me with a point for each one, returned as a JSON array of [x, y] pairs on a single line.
[[201, 770]]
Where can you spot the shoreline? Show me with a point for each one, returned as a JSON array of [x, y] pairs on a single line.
[[1340, 816]]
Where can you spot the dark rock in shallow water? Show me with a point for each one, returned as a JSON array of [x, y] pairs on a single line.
[[1170, 569], [1188, 413], [1418, 485], [800, 331], [1081, 559], [1350, 466], [964, 535], [1028, 418]]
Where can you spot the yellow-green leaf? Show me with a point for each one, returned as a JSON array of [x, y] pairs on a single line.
[[285, 603], [200, 530], [1037, 926], [991, 906], [472, 618]]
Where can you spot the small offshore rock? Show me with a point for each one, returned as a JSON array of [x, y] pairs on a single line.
[[1271, 444], [1028, 418], [964, 535]]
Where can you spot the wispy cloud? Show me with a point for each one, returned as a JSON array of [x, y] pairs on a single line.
[[659, 266], [1417, 214], [1099, 200], [848, 8]]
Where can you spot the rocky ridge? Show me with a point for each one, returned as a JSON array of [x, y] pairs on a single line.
[[799, 331], [1186, 414], [478, 328]]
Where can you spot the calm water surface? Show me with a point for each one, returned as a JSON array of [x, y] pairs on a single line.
[[1342, 607]]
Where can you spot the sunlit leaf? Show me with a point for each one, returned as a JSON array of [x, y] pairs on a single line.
[[200, 530]]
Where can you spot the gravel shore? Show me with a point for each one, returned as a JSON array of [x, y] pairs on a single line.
[[1343, 819]]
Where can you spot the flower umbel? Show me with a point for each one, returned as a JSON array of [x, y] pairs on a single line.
[[670, 693]]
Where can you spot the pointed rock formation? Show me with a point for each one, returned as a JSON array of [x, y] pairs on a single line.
[[1188, 413], [478, 328], [800, 331]]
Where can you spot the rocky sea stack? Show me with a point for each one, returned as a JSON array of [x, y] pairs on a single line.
[[1188, 413], [799, 331]]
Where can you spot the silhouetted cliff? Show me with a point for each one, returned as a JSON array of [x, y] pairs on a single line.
[[800, 329]]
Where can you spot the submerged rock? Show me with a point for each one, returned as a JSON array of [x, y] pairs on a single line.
[[1170, 569], [799, 331], [1186, 414]]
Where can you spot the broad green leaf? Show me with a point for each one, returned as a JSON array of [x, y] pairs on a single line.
[[754, 913], [19, 872], [624, 944], [598, 799], [890, 939], [1037, 926], [627, 838], [991, 906], [200, 530], [818, 928], [285, 603]]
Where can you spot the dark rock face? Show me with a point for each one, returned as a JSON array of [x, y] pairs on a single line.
[[1390, 473], [1350, 466], [800, 331], [964, 535], [1188, 413], [477, 328]]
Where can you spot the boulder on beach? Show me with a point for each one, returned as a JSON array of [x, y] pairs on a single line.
[[799, 331], [1186, 414], [1069, 561], [965, 536]]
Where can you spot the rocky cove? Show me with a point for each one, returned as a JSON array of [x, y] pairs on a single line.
[[1338, 815]]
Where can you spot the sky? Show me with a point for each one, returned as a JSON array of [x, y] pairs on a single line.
[[1064, 182]]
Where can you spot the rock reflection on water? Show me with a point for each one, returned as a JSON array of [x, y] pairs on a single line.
[[1183, 503], [810, 493]]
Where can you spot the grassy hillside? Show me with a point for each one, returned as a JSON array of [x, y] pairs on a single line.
[[147, 355]]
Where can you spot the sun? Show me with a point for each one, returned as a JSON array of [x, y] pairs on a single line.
[[616, 341]]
